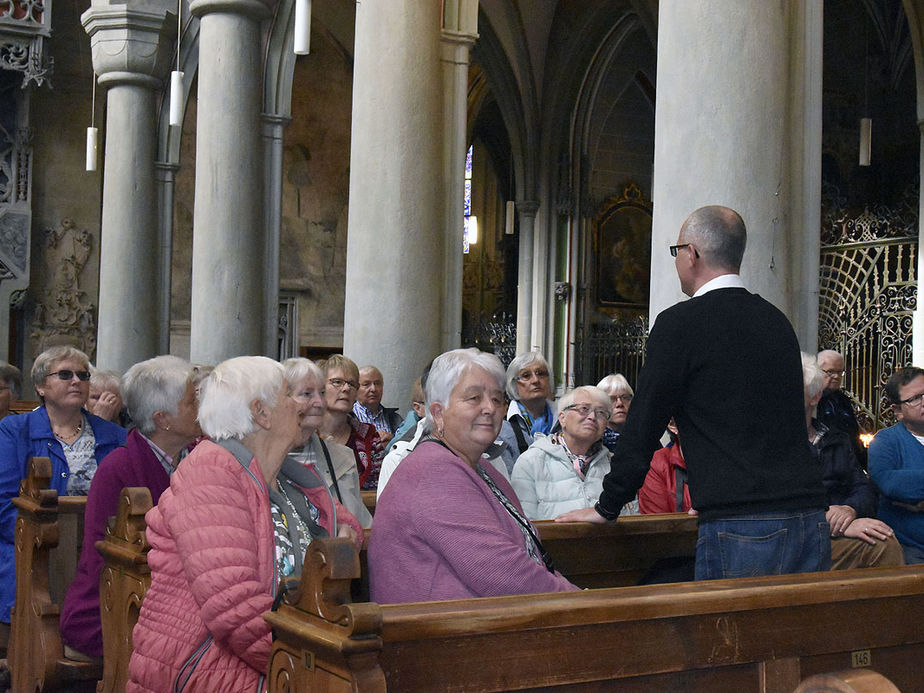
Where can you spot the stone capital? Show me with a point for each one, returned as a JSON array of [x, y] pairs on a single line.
[[131, 39], [255, 9]]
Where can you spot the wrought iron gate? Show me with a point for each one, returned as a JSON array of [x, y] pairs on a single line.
[[868, 293]]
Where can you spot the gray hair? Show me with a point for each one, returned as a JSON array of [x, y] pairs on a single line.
[[10, 375], [826, 354], [719, 235], [449, 367], [105, 380], [595, 393], [813, 378], [44, 361], [299, 368], [518, 364], [157, 384], [615, 382], [224, 403]]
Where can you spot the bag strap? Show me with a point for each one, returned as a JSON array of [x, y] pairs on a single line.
[[680, 478], [330, 468]]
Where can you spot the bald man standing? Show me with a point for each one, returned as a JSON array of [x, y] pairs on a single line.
[[726, 365]]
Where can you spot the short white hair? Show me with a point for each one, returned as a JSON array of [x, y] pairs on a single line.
[[224, 404], [595, 393], [298, 368], [157, 384], [449, 367], [518, 364], [813, 378], [615, 382], [105, 381]]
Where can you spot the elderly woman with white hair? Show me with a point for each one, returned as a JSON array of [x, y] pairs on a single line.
[[161, 397], [61, 429], [564, 471], [448, 525], [224, 533], [531, 411], [335, 463], [620, 393]]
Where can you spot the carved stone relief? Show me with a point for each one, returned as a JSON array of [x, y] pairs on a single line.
[[63, 311]]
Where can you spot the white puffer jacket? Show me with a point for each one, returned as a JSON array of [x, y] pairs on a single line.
[[547, 484]]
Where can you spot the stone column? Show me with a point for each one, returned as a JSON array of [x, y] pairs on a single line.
[[166, 184], [273, 128], [395, 245], [917, 318], [527, 212], [228, 272], [738, 123], [131, 49], [460, 25]]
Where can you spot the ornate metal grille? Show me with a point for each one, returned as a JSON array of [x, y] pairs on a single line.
[[868, 293], [497, 334], [614, 347]]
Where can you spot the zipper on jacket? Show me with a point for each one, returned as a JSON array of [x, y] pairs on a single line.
[[189, 666]]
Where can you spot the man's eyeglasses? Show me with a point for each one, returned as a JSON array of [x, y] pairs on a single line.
[[529, 375], [583, 410], [624, 398], [676, 248], [338, 383], [69, 375], [913, 401], [834, 373]]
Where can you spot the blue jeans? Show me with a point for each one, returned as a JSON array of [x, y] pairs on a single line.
[[770, 543], [913, 554]]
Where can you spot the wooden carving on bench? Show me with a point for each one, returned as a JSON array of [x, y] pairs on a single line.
[[352, 631], [123, 582], [36, 655]]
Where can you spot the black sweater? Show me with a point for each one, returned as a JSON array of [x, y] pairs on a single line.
[[726, 366]]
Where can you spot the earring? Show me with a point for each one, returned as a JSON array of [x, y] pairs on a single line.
[[166, 428]]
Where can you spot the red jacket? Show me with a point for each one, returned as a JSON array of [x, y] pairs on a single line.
[[659, 492], [213, 576]]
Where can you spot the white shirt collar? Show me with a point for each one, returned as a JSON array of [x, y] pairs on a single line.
[[724, 281]]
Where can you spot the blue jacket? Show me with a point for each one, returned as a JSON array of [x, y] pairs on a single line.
[[21, 437], [896, 466], [845, 481]]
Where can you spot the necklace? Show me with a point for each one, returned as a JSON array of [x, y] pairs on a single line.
[[64, 436]]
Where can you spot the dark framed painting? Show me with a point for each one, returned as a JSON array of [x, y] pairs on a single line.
[[622, 250]]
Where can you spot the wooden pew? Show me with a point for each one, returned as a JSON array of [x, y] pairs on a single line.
[[123, 582], [369, 500], [48, 536], [755, 634]]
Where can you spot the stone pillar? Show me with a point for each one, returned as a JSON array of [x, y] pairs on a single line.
[[273, 128], [738, 123], [917, 318], [166, 184], [227, 312], [394, 269], [527, 212], [131, 51], [460, 27]]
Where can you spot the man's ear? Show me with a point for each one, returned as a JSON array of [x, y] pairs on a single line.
[[260, 414], [897, 408]]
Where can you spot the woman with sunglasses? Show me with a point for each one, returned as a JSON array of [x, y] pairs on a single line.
[[62, 430], [564, 471]]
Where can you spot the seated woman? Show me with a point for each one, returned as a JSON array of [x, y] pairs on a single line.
[[340, 426], [106, 397], [334, 462], [62, 430], [620, 393], [531, 411], [224, 533], [449, 526], [665, 489], [161, 399], [564, 471], [10, 383]]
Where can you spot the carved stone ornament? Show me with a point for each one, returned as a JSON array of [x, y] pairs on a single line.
[[24, 26], [63, 312]]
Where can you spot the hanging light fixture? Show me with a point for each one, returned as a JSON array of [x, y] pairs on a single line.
[[92, 132], [509, 219], [176, 77], [866, 124], [302, 43]]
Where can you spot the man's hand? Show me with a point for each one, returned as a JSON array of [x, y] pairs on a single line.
[[385, 437], [839, 518], [869, 530], [582, 515]]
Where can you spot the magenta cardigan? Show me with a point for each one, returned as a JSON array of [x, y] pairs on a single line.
[[440, 533], [133, 464]]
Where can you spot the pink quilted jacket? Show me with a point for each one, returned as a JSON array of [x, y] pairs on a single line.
[[213, 573]]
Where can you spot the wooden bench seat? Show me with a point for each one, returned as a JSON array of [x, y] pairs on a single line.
[[48, 537], [756, 634]]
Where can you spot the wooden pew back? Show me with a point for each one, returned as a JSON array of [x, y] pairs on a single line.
[[45, 565], [754, 634], [123, 582]]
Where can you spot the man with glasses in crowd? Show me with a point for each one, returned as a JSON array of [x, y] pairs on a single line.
[[726, 365], [835, 410], [896, 463]]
